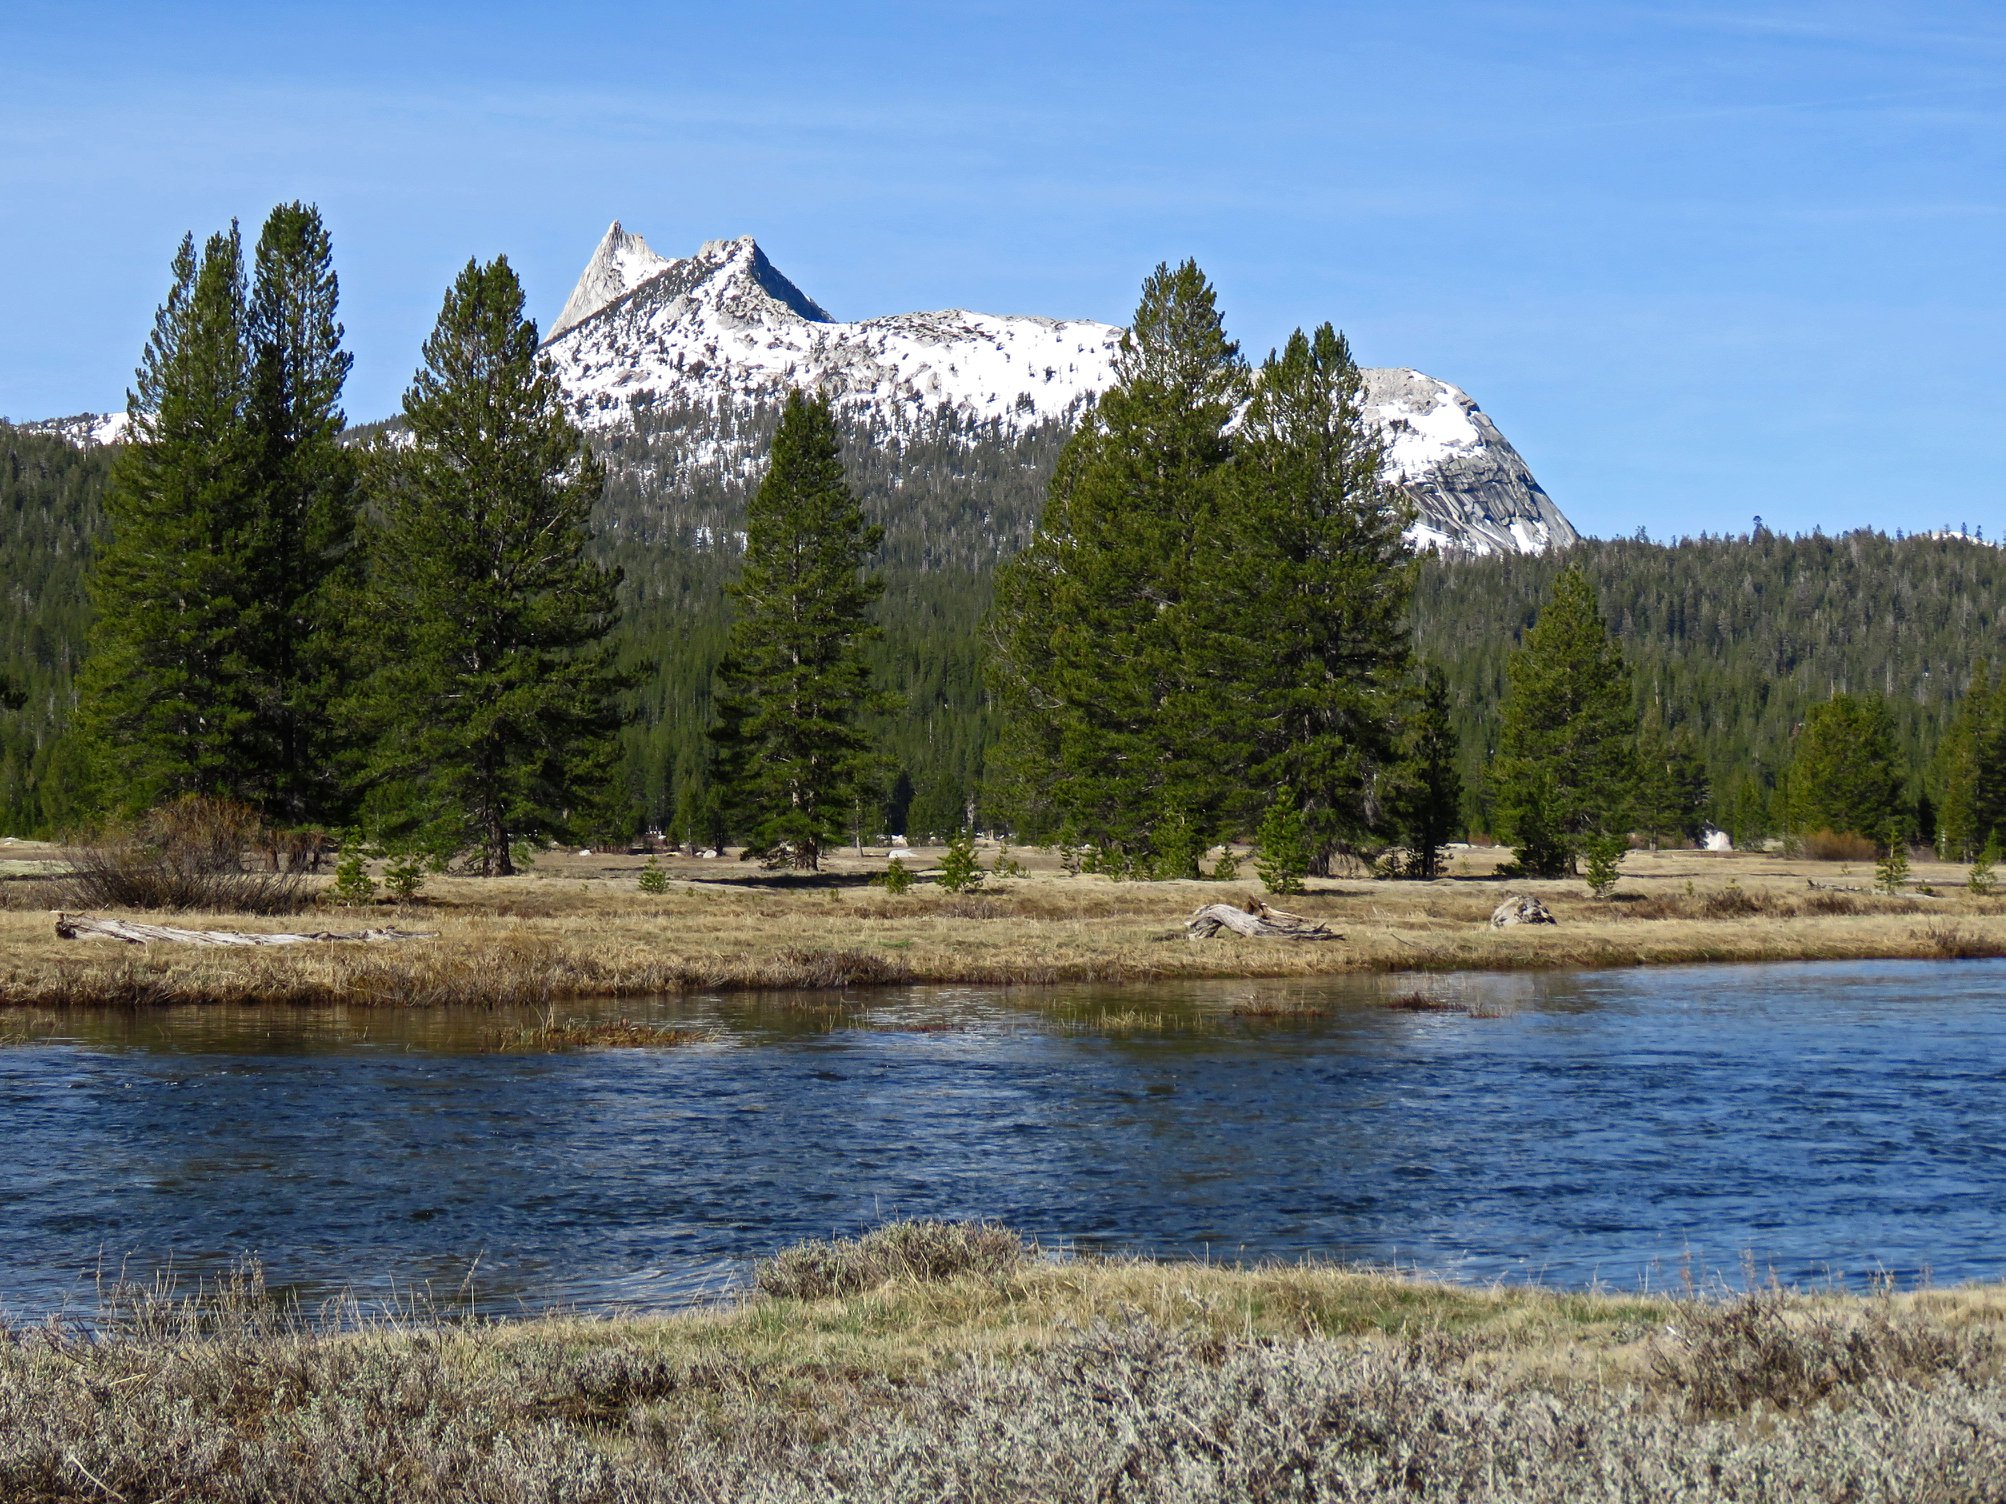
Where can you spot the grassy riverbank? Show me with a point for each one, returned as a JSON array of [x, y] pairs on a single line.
[[962, 1368], [579, 926]]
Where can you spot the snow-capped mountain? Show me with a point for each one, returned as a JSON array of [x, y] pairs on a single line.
[[724, 324]]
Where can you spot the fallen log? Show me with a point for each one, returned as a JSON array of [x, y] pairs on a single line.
[[1256, 922], [132, 932]]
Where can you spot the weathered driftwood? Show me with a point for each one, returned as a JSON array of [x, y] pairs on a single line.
[[1520, 908], [131, 932], [1256, 921]]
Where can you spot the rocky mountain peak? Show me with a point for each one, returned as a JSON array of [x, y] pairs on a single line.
[[619, 264]]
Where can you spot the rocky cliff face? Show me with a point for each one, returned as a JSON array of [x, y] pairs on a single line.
[[1471, 488], [725, 326]]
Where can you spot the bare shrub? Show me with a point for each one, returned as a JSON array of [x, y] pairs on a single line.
[[909, 1251], [1824, 902], [1725, 1358], [1735, 902], [1838, 846], [185, 855], [1954, 943]]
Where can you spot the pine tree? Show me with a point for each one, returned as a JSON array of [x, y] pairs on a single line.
[[1846, 775], [1566, 766], [1304, 615], [1105, 726], [1672, 786], [794, 685], [304, 518], [1981, 880], [1427, 791], [164, 703], [1971, 769], [492, 693], [1891, 872], [959, 871], [1282, 854]]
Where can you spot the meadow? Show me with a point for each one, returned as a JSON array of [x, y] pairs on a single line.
[[578, 925]]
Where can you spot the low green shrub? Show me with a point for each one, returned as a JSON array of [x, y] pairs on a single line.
[[959, 870]]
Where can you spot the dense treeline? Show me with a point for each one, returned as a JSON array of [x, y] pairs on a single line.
[[51, 511], [1733, 640], [954, 498]]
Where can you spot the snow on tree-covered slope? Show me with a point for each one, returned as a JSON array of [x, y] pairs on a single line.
[[84, 428], [724, 324]]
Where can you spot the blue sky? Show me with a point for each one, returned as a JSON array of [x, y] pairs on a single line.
[[1699, 261]]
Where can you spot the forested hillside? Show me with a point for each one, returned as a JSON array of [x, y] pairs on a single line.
[[50, 492], [1732, 638], [1735, 638]]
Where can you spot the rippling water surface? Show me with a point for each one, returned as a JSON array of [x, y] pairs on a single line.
[[1635, 1127]]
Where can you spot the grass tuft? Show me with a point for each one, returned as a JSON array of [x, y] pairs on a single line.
[[899, 1252]]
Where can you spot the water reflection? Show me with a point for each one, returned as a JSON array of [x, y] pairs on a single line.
[[1622, 1127]]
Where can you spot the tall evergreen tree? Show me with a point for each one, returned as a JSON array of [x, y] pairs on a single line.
[[1971, 769], [1427, 792], [1672, 787], [1846, 775], [305, 515], [1092, 633], [1566, 765], [492, 693], [1303, 610], [794, 684], [164, 697]]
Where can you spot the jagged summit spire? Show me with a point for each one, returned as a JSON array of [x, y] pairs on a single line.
[[734, 270], [621, 263]]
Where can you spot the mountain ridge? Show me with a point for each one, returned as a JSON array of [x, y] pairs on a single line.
[[725, 325]]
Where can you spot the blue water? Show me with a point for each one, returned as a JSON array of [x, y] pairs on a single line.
[[1634, 1128]]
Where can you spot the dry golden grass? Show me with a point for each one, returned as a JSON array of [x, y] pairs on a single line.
[[579, 926]]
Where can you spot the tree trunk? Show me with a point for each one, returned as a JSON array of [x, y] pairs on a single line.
[[132, 932]]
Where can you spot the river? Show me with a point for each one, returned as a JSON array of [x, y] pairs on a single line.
[[1636, 1128]]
